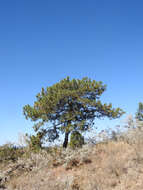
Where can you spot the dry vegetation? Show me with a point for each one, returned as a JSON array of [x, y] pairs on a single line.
[[113, 164]]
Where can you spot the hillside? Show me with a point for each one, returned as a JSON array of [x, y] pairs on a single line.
[[114, 164]]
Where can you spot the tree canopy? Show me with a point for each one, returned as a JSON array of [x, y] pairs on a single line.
[[67, 106]]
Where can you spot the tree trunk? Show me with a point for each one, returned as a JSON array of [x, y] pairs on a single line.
[[65, 144]]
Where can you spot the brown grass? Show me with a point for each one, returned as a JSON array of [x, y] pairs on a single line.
[[112, 165]]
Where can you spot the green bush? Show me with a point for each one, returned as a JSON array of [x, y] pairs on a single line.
[[9, 152], [35, 142], [76, 140]]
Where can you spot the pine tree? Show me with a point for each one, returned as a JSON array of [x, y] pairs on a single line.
[[139, 113], [76, 139], [69, 105]]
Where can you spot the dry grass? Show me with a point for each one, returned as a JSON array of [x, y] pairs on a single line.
[[112, 165]]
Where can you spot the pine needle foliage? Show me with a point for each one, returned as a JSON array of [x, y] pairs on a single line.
[[76, 140], [35, 141], [69, 105], [139, 113]]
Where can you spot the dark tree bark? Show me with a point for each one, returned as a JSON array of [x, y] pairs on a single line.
[[65, 144]]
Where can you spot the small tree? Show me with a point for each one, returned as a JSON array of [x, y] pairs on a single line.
[[35, 141], [139, 113], [69, 105], [76, 139]]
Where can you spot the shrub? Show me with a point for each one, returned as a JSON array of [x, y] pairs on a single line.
[[35, 142], [9, 152], [76, 139]]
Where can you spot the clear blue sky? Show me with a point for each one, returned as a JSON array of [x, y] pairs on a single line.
[[41, 42]]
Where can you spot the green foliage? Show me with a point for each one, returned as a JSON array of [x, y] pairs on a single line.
[[35, 141], [69, 105], [76, 139], [139, 113], [9, 152]]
